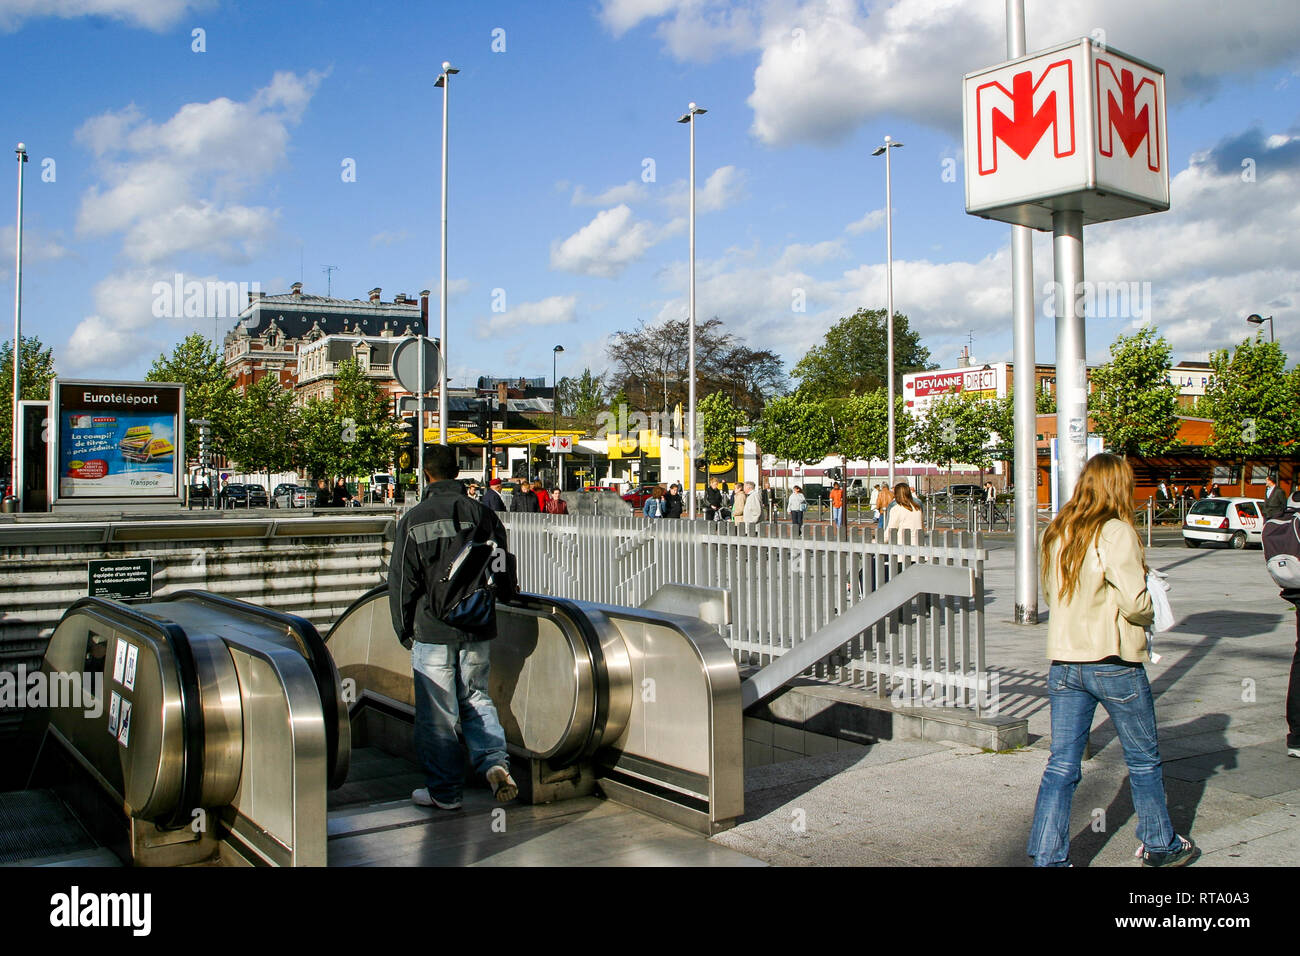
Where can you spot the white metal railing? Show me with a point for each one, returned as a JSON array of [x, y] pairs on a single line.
[[783, 590]]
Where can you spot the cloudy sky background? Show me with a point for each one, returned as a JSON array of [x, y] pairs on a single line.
[[568, 171]]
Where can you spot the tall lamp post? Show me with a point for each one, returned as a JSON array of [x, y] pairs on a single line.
[[555, 414], [889, 291], [1255, 319], [14, 478], [689, 119], [443, 81]]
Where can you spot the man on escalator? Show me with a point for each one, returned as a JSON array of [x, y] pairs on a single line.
[[448, 568]]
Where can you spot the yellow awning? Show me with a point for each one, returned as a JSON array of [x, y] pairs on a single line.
[[502, 436]]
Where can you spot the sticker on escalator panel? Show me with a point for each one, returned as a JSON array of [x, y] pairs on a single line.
[[124, 731], [114, 708], [132, 658], [119, 660]]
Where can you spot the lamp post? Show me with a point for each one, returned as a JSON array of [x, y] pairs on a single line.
[[1255, 319], [14, 479], [443, 81], [555, 415], [689, 119], [889, 291]]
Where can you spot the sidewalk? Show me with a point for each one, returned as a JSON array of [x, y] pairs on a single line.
[[1230, 783]]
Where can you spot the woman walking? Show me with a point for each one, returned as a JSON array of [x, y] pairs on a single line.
[[1094, 580], [796, 504], [906, 513], [654, 505]]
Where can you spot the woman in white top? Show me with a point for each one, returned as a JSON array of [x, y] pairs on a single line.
[[905, 515], [796, 504]]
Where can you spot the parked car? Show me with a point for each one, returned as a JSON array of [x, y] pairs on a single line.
[[961, 491], [381, 486], [816, 491], [1231, 521], [293, 496], [199, 492], [637, 496]]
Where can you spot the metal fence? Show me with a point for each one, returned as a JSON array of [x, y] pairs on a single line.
[[783, 590]]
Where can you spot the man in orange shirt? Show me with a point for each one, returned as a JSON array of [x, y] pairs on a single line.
[[837, 504]]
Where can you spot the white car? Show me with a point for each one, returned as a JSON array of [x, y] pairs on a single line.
[[1233, 521]]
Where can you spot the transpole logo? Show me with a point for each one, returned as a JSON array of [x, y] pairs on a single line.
[[1033, 107], [1123, 116]]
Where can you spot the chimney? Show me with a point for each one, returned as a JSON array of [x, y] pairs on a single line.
[[375, 293], [424, 310], [399, 299], [296, 288]]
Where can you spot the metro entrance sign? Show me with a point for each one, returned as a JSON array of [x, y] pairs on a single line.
[[1075, 127]]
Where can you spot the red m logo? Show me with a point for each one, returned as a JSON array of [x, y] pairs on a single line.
[[1123, 116], [1034, 107]]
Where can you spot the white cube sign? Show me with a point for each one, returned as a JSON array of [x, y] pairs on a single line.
[[560, 444], [1078, 126]]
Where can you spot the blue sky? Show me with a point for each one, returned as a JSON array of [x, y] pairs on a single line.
[[226, 164]]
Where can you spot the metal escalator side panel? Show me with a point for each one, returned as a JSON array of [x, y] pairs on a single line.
[[301, 634]]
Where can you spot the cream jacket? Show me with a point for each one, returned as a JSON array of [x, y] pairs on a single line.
[[1110, 609], [901, 519]]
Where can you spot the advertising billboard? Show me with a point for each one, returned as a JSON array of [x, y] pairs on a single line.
[[118, 442], [920, 389]]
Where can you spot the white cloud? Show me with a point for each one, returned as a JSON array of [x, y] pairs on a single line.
[[156, 15], [37, 247], [816, 253], [605, 246], [631, 191], [389, 238], [872, 221], [168, 186], [554, 310], [826, 67], [724, 187]]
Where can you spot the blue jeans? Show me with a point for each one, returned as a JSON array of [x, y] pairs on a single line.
[[451, 682], [1076, 690], [837, 515]]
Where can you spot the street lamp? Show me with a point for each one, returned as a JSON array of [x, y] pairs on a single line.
[[1258, 319], [443, 81], [14, 480], [689, 119], [555, 414], [889, 291]]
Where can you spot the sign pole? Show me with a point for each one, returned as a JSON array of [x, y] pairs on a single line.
[[1025, 406], [15, 479], [1071, 370]]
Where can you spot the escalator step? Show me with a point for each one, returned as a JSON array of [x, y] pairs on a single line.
[[36, 824]]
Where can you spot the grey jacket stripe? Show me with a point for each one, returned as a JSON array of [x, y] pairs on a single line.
[[433, 530]]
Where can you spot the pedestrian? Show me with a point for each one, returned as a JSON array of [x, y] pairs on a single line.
[[797, 504], [1095, 581], [654, 505], [492, 497], [883, 503], [906, 513], [753, 509], [341, 494], [1274, 498], [539, 490], [990, 500], [450, 661], [724, 512], [523, 501], [673, 501], [1214, 491], [738, 505], [769, 501], [1162, 493], [837, 504], [322, 494], [555, 505], [712, 500]]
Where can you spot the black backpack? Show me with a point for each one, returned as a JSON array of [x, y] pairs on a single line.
[[465, 583], [1281, 542]]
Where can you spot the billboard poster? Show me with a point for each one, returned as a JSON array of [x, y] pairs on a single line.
[[118, 441]]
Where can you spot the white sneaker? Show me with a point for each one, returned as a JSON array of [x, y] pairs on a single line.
[[503, 785], [1293, 751], [421, 798]]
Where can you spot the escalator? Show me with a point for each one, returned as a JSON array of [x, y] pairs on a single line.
[[218, 732]]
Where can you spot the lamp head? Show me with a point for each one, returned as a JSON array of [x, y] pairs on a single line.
[[1255, 319]]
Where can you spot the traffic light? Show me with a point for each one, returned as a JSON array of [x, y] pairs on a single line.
[[503, 459], [410, 449], [482, 426]]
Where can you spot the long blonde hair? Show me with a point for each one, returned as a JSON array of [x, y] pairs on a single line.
[[903, 496], [1104, 491]]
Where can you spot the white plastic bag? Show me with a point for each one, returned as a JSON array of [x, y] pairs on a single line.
[[1158, 588]]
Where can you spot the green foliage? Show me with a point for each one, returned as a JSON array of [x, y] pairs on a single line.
[[264, 421], [853, 356], [1134, 405], [796, 429], [862, 426], [35, 372], [582, 398], [354, 433], [956, 428], [1254, 403], [209, 391], [718, 419]]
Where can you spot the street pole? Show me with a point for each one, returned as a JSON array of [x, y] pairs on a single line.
[[1024, 383], [14, 478], [444, 80], [1071, 370], [689, 119], [557, 459], [889, 294]]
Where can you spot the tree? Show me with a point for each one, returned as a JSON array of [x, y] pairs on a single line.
[[1134, 404], [796, 429], [853, 356], [956, 428], [1254, 403], [863, 426], [718, 421], [581, 398], [651, 365], [209, 391], [264, 421], [35, 373], [371, 433], [1002, 420]]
